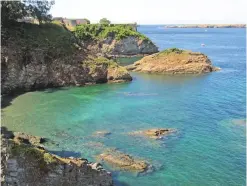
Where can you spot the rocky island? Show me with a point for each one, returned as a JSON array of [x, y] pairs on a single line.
[[174, 61]]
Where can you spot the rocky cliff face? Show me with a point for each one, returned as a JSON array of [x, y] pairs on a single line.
[[34, 57], [174, 61], [24, 164], [128, 46]]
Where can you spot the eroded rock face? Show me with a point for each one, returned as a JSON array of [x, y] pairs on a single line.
[[26, 68], [174, 62], [128, 46], [64, 72], [23, 164], [153, 133], [123, 161]]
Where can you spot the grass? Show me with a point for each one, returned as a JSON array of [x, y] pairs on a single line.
[[97, 31], [52, 38]]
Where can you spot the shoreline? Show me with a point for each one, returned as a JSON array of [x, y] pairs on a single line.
[[207, 26]]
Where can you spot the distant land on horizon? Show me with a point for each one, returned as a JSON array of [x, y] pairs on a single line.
[[206, 26]]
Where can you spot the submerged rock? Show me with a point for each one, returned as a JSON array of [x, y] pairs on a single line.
[[239, 121], [153, 133], [124, 161], [102, 133], [174, 61]]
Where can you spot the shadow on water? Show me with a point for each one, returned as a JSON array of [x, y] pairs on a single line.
[[120, 183], [52, 90], [171, 79], [124, 61], [66, 154], [6, 100]]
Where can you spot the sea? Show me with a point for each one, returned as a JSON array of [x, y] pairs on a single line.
[[208, 112]]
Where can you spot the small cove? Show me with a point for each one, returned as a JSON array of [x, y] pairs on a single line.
[[209, 148]]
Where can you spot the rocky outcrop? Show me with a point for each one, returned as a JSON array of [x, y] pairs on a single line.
[[123, 161], [39, 60], [153, 133], [23, 164], [128, 46], [21, 137], [174, 61]]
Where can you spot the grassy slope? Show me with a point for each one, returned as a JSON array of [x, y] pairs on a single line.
[[53, 39]]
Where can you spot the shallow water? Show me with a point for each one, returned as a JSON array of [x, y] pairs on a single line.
[[209, 147]]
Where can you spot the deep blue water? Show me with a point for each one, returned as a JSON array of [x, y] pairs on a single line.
[[207, 110]]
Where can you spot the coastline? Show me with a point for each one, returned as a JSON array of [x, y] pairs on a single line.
[[207, 26]]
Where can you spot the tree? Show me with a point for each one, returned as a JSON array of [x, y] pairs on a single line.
[[40, 9], [87, 20], [104, 21], [14, 10]]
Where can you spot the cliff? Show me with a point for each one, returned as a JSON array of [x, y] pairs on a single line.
[[25, 164], [115, 40], [174, 61], [48, 55]]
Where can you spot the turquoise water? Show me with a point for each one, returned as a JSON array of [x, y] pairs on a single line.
[[207, 110]]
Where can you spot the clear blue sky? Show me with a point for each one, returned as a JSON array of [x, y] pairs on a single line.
[[154, 11]]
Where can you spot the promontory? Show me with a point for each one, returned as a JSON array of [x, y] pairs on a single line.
[[49, 55]]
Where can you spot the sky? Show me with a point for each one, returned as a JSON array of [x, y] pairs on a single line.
[[154, 11]]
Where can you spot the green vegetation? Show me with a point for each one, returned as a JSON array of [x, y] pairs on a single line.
[[52, 39], [172, 50], [93, 63], [104, 21], [98, 31], [14, 10]]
